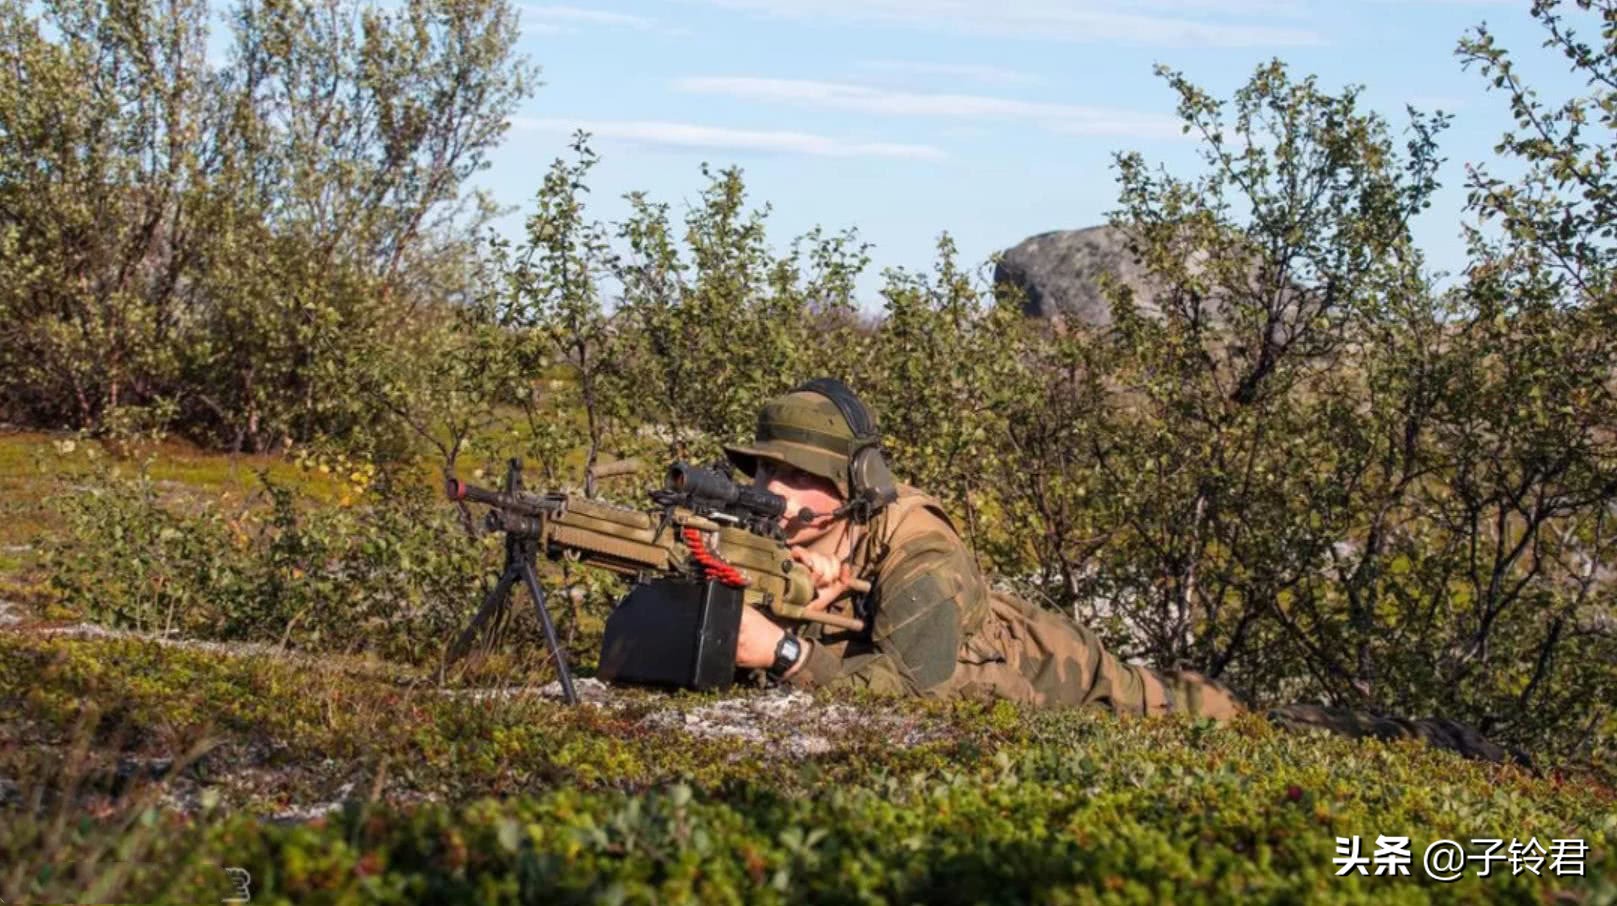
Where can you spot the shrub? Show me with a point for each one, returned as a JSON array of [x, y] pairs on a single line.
[[389, 573]]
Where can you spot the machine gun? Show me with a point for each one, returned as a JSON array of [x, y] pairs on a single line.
[[708, 548]]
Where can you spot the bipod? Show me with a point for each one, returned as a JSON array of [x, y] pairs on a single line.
[[521, 552]]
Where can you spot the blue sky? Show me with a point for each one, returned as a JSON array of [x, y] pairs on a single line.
[[991, 120]]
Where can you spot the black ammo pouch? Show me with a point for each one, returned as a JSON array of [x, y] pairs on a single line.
[[673, 632]]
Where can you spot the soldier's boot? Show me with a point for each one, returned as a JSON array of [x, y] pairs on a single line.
[[1437, 731], [1187, 692], [1196, 694]]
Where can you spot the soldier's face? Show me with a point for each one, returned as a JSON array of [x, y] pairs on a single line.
[[800, 489]]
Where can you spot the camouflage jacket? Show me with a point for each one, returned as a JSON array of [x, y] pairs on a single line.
[[935, 628]]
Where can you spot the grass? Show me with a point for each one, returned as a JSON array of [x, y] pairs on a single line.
[[510, 799], [35, 466]]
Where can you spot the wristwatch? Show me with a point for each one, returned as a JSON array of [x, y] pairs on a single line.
[[787, 651]]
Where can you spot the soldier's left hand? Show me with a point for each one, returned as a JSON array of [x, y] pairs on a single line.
[[756, 641]]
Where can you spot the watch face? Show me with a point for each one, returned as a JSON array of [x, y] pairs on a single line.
[[786, 654]]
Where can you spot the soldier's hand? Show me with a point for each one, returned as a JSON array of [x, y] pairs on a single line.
[[833, 578], [823, 568], [832, 593], [756, 640]]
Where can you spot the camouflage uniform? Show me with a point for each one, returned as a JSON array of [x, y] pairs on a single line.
[[935, 628]]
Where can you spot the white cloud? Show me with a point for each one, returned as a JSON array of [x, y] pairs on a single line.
[[1515, 3], [1066, 118], [970, 71], [1083, 21], [1159, 127], [691, 135], [547, 19]]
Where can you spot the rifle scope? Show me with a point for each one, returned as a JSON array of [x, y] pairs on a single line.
[[709, 485]]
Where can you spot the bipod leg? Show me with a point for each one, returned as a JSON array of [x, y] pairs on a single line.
[[492, 603], [538, 593]]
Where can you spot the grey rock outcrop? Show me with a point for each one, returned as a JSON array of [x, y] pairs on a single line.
[[1060, 274]]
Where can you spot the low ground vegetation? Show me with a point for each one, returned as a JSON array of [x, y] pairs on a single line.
[[333, 781]]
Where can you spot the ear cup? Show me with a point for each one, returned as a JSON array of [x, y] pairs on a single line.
[[871, 480]]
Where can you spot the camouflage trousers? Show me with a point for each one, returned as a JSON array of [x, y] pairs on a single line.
[[1028, 654]]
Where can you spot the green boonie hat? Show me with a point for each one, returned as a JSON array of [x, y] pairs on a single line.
[[802, 429]]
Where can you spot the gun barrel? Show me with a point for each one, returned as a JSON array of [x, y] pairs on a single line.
[[459, 490]]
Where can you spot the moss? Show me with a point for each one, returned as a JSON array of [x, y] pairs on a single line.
[[528, 799]]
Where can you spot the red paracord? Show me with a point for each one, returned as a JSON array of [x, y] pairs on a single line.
[[712, 565]]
